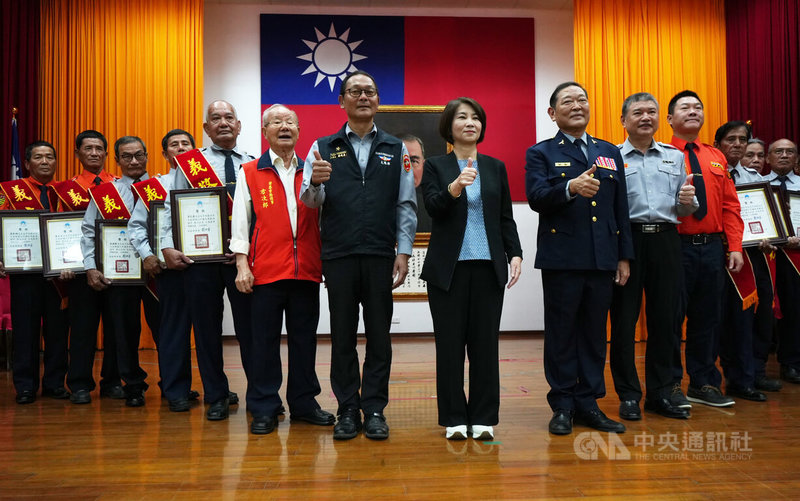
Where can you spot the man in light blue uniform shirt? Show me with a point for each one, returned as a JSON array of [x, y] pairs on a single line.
[[658, 193], [362, 179]]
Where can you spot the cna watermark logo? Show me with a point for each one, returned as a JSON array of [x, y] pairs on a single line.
[[668, 446]]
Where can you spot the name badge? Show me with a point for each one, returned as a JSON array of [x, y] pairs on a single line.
[[563, 164]]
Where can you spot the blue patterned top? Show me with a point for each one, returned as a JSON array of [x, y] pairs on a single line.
[[475, 244]]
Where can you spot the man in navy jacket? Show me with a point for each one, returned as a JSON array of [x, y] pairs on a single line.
[[577, 185]]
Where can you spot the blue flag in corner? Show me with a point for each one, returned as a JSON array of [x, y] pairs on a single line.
[[16, 163]]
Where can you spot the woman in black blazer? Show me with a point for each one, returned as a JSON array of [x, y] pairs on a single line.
[[473, 240]]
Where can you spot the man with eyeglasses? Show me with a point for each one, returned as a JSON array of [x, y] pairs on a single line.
[[120, 304], [205, 283], [361, 178], [277, 246], [782, 158]]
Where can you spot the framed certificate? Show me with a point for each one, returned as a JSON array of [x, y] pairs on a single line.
[[154, 228], [61, 242], [761, 215], [793, 203], [783, 211], [114, 254], [200, 223], [414, 288], [20, 241]]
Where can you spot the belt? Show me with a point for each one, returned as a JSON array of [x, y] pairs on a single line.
[[701, 238], [652, 227]]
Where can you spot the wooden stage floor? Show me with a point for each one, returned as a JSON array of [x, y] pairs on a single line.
[[53, 449]]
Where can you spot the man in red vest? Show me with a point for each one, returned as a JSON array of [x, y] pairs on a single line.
[[35, 301], [279, 264]]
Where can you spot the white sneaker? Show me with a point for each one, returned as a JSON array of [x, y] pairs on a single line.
[[456, 432], [480, 432]]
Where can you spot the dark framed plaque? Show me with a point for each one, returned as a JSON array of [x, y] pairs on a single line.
[[21, 241], [114, 254], [61, 242], [414, 288], [793, 204], [154, 228], [761, 215], [783, 211], [200, 225]]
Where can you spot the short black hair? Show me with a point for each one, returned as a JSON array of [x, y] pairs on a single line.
[[412, 137], [90, 134], [562, 86], [37, 144], [127, 140], [725, 128], [679, 95], [343, 86], [449, 114], [637, 98], [175, 132]]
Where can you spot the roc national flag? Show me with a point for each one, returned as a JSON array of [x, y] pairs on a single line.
[[416, 61], [16, 160]]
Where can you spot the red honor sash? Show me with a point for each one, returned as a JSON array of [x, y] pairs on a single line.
[[149, 190], [21, 195], [794, 258], [73, 195], [109, 201], [199, 173], [745, 283], [771, 259]]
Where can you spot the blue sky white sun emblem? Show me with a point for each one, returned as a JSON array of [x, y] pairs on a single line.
[[331, 56]]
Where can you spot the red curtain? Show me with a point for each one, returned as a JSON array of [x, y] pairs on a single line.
[[19, 65], [763, 41]]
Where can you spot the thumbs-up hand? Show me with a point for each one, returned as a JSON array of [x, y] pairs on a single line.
[[466, 178], [320, 170], [585, 185], [686, 194]]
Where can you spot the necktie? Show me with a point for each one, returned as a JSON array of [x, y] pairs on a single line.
[[579, 144], [734, 175], [230, 173], [97, 180], [43, 196], [783, 180], [698, 182]]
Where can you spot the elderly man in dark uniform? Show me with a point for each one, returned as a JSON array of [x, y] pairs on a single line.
[[577, 185]]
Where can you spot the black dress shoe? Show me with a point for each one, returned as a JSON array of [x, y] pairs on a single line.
[[180, 405], [318, 417], [26, 397], [233, 398], [765, 383], [348, 426], [599, 421], [81, 397], [218, 410], [561, 422], [193, 395], [375, 427], [629, 409], [134, 398], [664, 407], [263, 425], [116, 392], [59, 393], [746, 393], [790, 374]]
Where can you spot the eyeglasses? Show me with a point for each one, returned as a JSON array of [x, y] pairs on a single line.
[[784, 151], [127, 157], [281, 123], [356, 93]]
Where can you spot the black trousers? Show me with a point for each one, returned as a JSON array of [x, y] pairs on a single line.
[[120, 309], [35, 309], [468, 316], [204, 284], [299, 301], [576, 305], [366, 281], [788, 286], [701, 303], [747, 334], [658, 271], [174, 343]]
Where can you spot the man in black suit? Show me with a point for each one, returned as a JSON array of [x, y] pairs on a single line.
[[577, 185]]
